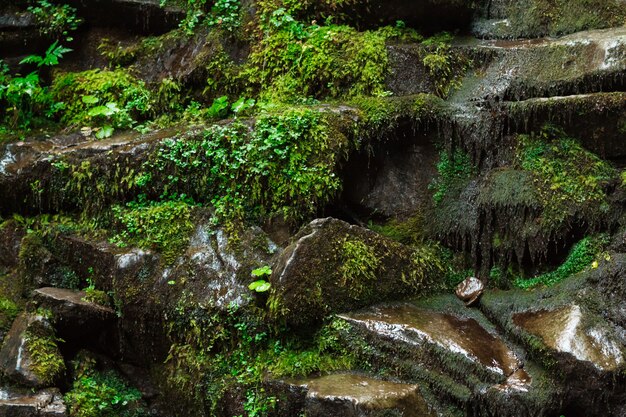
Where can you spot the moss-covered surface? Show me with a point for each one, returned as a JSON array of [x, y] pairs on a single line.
[[534, 18]]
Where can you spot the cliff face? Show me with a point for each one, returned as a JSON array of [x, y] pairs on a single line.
[[262, 208]]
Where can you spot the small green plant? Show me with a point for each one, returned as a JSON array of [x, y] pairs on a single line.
[[225, 15], [103, 99], [261, 285], [25, 99]]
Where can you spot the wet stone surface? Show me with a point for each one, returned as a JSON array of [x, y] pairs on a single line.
[[461, 336], [46, 403], [355, 395], [564, 331]]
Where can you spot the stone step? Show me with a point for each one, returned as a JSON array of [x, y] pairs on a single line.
[[354, 395], [455, 354], [45, 403]]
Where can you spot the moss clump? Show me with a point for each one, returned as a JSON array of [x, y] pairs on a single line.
[[569, 179], [163, 226], [358, 268], [103, 394], [297, 60], [101, 97], [47, 361]]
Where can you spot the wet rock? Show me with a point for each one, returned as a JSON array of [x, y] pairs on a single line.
[[46, 403], [407, 74], [403, 166], [17, 354], [563, 330], [136, 16], [460, 336], [11, 235], [352, 395], [332, 266], [456, 355], [470, 290]]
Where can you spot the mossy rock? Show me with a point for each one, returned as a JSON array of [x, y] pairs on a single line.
[[30, 354], [333, 267]]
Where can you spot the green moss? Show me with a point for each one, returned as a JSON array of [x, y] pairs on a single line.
[[296, 60], [47, 361], [559, 17], [283, 165], [568, 178], [358, 267], [8, 312], [580, 257], [164, 226]]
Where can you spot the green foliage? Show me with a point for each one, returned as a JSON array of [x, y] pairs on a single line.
[[445, 66], [284, 164], [568, 178], [47, 361], [580, 257], [164, 226], [55, 20], [51, 58], [102, 98], [24, 99], [96, 394], [261, 285], [359, 266], [224, 14], [326, 354], [454, 169], [8, 312]]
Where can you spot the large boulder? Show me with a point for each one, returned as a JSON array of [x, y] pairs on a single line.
[[333, 266]]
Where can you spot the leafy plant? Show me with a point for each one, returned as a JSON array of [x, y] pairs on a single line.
[[96, 394], [52, 56], [101, 98], [261, 285], [55, 20], [24, 98]]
